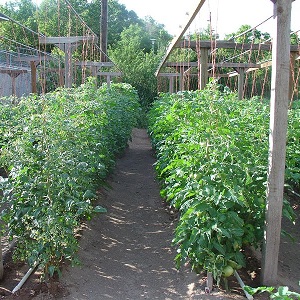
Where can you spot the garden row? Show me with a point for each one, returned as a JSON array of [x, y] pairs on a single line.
[[212, 156], [57, 149]]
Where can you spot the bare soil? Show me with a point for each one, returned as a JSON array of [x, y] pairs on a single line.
[[126, 253]]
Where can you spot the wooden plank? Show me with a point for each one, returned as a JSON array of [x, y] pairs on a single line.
[[33, 77], [229, 45], [168, 75], [203, 68], [67, 40], [94, 64], [217, 65], [103, 30], [109, 73], [178, 37], [37, 59], [241, 81], [266, 64], [1, 261], [251, 70], [293, 56], [4, 17], [11, 72], [277, 140]]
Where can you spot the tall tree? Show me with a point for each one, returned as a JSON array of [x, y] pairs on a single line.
[[138, 66]]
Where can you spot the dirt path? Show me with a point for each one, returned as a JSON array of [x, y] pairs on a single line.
[[126, 253]]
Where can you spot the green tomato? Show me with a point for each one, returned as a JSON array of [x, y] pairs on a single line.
[[228, 271]]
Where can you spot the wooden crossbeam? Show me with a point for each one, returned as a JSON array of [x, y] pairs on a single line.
[[109, 73], [34, 58], [229, 45], [217, 65], [169, 74], [66, 40], [9, 69], [94, 64]]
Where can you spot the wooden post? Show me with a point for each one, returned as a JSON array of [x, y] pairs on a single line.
[[277, 140], [68, 65], [33, 77], [203, 67], [1, 261], [14, 75], [171, 84], [103, 30], [292, 75], [181, 79], [241, 81]]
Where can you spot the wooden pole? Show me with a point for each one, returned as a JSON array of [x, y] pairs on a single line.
[[292, 75], [241, 81], [171, 85], [68, 65], [203, 68], [33, 77], [103, 29], [277, 140], [181, 79], [1, 261]]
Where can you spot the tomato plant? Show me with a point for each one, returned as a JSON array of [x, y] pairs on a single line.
[[58, 149], [212, 156]]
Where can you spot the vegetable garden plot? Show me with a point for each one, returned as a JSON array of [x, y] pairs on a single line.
[[57, 150], [212, 156]]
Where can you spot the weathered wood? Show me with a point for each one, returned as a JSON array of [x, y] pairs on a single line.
[[209, 283], [178, 37], [109, 73], [33, 77], [1, 261], [203, 68], [4, 17], [36, 58], [103, 30], [277, 140], [99, 64], [241, 82], [293, 57], [168, 75], [171, 85], [13, 73], [228, 45], [58, 40], [217, 65]]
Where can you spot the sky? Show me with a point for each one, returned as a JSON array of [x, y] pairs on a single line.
[[226, 15]]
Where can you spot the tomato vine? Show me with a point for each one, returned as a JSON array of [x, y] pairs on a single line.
[[212, 156], [57, 150]]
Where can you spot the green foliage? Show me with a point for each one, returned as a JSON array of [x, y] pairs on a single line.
[[282, 293], [138, 66], [24, 12], [212, 155], [57, 150]]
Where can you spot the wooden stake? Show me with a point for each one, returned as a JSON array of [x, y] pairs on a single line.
[[1, 261], [277, 140], [103, 29], [203, 68]]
